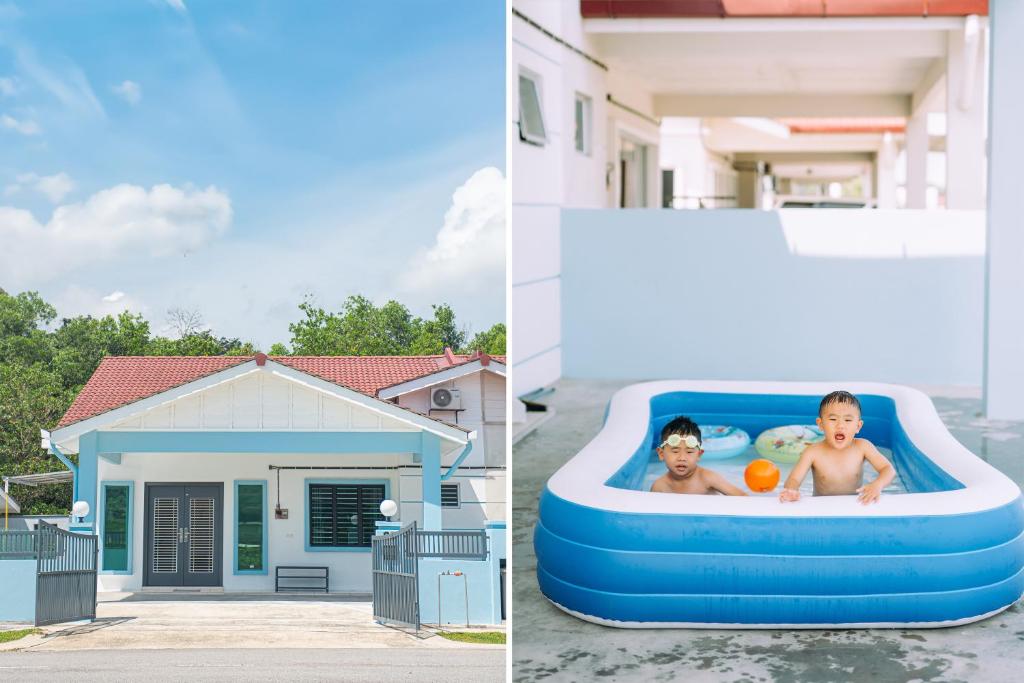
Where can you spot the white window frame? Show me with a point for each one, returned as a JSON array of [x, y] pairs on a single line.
[[587, 123], [532, 137]]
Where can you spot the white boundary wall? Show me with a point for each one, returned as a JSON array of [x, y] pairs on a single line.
[[883, 296]]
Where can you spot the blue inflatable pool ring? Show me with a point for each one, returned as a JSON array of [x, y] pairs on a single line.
[[949, 551], [721, 442]]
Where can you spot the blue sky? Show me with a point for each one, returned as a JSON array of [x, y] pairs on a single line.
[[232, 157]]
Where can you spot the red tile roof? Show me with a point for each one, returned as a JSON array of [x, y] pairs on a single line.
[[872, 124], [120, 380], [779, 8]]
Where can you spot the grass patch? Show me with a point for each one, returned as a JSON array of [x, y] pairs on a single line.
[[485, 637], [8, 636]]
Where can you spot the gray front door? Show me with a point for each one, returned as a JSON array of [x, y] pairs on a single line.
[[184, 534]]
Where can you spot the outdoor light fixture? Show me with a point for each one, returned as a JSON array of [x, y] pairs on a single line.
[[389, 509], [80, 509]]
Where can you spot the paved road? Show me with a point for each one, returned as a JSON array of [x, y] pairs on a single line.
[[357, 665]]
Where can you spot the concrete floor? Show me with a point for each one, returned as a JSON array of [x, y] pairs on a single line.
[[550, 645], [167, 621]]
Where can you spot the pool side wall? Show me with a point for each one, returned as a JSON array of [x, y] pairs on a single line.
[[672, 568]]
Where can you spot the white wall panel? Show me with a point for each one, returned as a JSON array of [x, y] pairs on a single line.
[[535, 319], [217, 407], [535, 252], [245, 411]]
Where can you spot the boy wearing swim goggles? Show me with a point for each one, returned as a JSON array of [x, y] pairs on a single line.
[[680, 451]]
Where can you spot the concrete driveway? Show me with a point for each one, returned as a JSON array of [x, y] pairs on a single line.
[[161, 620]]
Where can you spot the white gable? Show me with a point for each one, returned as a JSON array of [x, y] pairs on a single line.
[[261, 401]]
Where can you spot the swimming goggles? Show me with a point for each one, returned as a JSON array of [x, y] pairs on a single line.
[[674, 440]]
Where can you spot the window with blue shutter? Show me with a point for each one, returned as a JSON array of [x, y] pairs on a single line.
[[344, 515]]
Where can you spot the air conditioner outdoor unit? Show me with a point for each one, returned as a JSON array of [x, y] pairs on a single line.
[[443, 398]]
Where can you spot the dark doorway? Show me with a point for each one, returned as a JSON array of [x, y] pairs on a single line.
[[184, 535]]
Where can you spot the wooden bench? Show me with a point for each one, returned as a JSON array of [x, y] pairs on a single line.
[[320, 575]]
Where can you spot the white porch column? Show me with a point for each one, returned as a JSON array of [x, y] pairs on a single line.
[[965, 117], [917, 160], [1004, 315], [886, 173]]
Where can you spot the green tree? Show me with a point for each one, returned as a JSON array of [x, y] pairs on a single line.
[[490, 341], [21, 317], [278, 349], [434, 335], [80, 343], [31, 397]]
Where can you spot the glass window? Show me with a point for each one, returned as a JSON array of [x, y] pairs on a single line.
[[531, 116], [251, 521], [116, 504], [582, 124], [344, 515]]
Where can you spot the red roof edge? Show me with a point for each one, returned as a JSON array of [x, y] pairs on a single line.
[[449, 356], [613, 9]]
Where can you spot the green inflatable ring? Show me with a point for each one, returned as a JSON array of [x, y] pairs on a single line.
[[786, 444]]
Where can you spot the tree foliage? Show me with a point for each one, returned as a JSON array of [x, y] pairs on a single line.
[[362, 329], [490, 341]]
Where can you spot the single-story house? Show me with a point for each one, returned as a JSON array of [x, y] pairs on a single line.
[[211, 471]]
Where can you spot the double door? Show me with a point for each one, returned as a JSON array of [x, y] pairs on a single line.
[[184, 534]]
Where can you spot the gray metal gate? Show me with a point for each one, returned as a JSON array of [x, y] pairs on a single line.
[[396, 577], [65, 575]]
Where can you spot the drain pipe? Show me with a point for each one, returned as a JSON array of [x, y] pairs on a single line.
[[70, 465], [458, 461]]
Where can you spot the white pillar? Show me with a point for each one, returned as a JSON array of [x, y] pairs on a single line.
[[917, 160], [965, 117], [1004, 314], [886, 173]]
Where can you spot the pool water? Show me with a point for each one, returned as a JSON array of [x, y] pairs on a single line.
[[732, 469]]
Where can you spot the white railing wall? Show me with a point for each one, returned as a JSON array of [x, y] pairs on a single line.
[[802, 294]]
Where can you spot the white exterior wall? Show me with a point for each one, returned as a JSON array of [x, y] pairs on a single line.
[[262, 401], [481, 476], [556, 175], [349, 570]]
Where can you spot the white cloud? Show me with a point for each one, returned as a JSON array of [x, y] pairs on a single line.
[[8, 87], [24, 126], [70, 86], [125, 221], [54, 187], [129, 91], [78, 300], [471, 242], [179, 5]]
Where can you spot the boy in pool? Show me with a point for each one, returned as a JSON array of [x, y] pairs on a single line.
[[680, 450], [838, 461]]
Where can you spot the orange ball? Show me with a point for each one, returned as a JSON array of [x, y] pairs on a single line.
[[761, 475]]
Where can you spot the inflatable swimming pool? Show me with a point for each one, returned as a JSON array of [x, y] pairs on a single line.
[[947, 552]]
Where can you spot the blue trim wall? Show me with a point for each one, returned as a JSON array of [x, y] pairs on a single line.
[[86, 481], [18, 582], [181, 441], [234, 528], [305, 513], [130, 528]]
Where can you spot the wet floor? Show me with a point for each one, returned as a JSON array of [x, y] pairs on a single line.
[[550, 645]]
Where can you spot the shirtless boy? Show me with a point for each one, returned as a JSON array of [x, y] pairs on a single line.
[[680, 450], [838, 461]]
